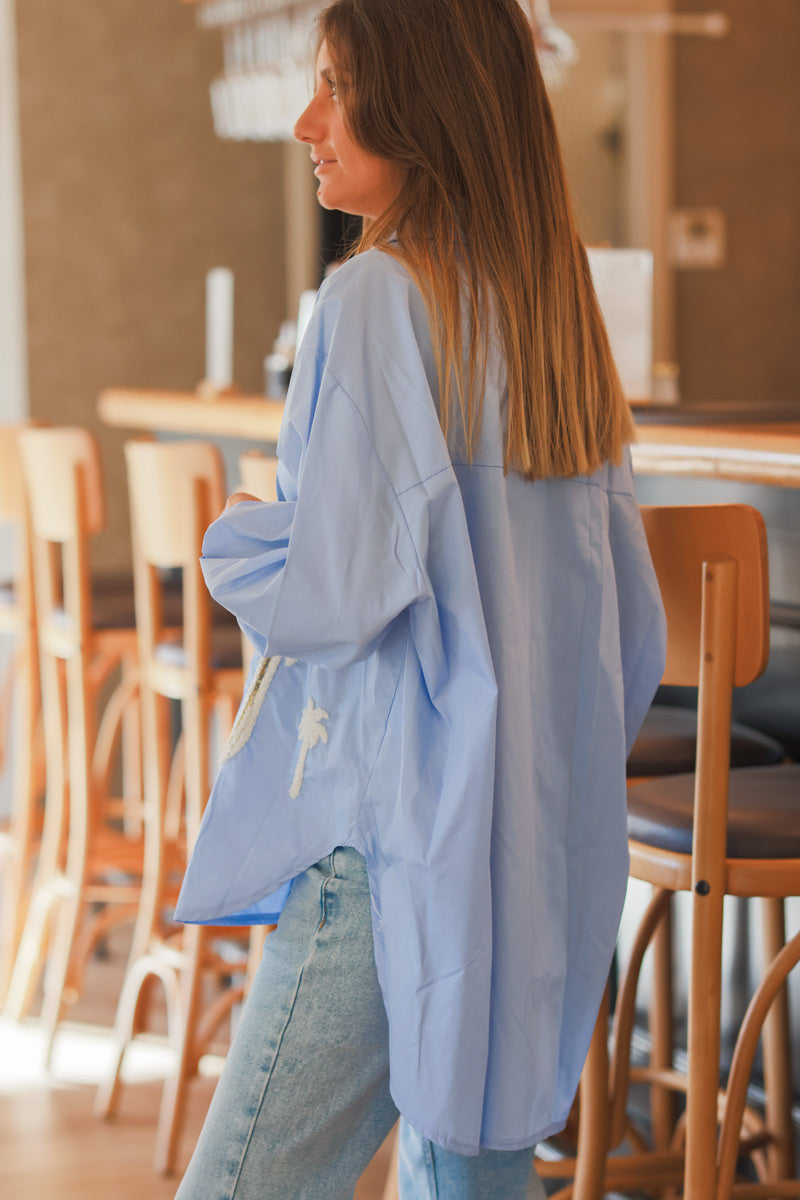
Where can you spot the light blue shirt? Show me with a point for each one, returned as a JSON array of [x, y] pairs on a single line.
[[459, 662]]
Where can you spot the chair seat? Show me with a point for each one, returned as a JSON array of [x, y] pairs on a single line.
[[772, 702], [667, 744], [763, 812]]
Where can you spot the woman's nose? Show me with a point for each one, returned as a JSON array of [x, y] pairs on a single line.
[[306, 126]]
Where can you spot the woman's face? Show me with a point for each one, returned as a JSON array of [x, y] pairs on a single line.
[[350, 178]]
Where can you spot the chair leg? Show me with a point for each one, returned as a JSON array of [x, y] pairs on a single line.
[[183, 1020], [777, 1051], [31, 955], [700, 1177], [137, 979], [57, 968], [771, 984], [663, 1112], [593, 1127], [80, 738], [48, 880], [17, 875], [10, 906], [49, 883], [132, 767]]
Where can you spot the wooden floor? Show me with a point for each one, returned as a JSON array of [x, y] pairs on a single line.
[[52, 1146]]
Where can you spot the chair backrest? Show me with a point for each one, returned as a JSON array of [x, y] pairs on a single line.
[[711, 562], [11, 493], [685, 541], [60, 463], [258, 474], [66, 506], [13, 512], [175, 490], [162, 480]]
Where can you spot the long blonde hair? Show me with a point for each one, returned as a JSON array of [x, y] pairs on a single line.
[[451, 91]]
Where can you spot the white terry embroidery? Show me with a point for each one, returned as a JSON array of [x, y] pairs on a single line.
[[309, 733], [245, 721], [377, 912]]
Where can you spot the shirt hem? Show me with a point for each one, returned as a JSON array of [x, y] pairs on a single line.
[[470, 1149]]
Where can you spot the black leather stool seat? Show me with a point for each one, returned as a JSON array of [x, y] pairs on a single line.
[[772, 703], [667, 744], [763, 812]]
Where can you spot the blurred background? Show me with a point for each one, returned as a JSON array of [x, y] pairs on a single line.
[[680, 132], [144, 143]]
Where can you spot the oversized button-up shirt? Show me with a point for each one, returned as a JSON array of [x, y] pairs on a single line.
[[452, 663]]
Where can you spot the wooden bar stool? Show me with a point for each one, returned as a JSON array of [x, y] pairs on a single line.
[[715, 832], [89, 871], [667, 745], [176, 490], [19, 840]]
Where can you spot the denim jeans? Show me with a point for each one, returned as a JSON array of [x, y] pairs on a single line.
[[303, 1101]]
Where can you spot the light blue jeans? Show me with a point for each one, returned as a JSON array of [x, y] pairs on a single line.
[[303, 1101]]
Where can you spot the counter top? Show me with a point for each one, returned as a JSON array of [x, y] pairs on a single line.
[[255, 418], [749, 451], [744, 443]]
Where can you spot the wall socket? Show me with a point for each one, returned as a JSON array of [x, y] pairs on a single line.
[[698, 238]]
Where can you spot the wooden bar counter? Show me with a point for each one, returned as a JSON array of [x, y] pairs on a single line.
[[712, 442], [256, 418], [747, 452]]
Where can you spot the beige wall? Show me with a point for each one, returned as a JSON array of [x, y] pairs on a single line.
[[735, 146], [129, 198], [738, 138]]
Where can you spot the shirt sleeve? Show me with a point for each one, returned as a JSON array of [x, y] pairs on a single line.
[[321, 575], [643, 631]]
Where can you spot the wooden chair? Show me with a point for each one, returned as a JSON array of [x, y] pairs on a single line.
[[667, 745], [175, 490], [713, 833], [19, 839], [89, 870]]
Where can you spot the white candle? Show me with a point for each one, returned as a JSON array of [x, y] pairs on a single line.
[[219, 327]]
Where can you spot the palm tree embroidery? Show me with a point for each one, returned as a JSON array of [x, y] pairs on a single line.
[[251, 704], [309, 733]]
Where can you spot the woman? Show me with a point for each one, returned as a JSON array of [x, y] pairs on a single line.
[[458, 633]]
